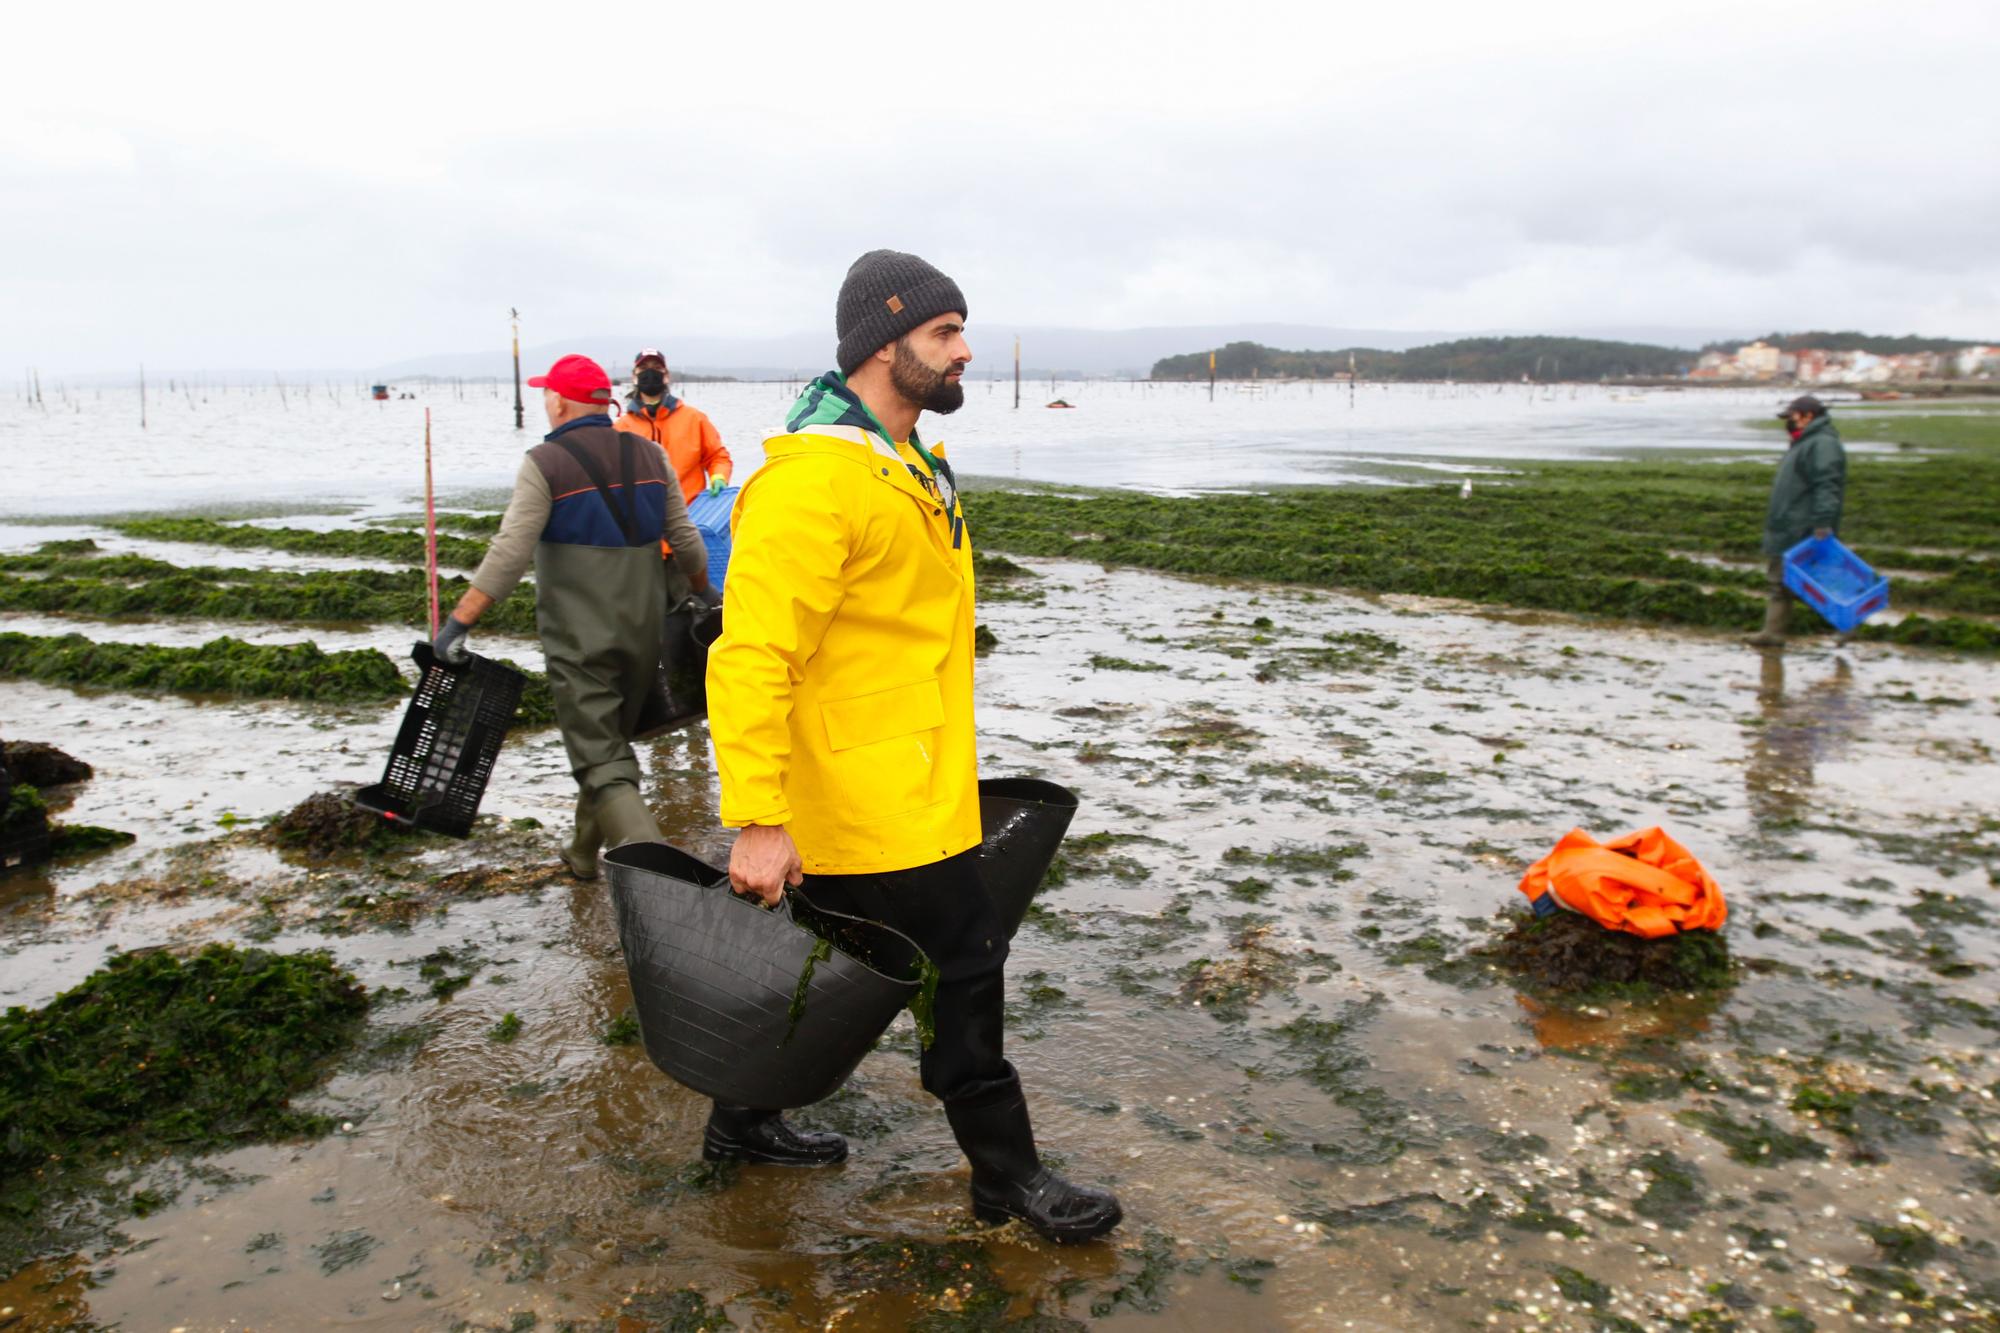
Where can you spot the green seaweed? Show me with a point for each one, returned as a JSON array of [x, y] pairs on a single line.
[[1329, 862], [930, 1270], [344, 1249], [1755, 1144], [507, 1029], [1151, 1264], [447, 971], [391, 597], [622, 1030], [681, 1311], [1576, 1285], [1105, 662], [923, 1005], [25, 808], [821, 950], [1903, 1246], [538, 701], [223, 667], [990, 568], [1674, 1193], [77, 839], [365, 543], [156, 1053]]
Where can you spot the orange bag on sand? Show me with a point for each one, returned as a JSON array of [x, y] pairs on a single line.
[[1643, 883]]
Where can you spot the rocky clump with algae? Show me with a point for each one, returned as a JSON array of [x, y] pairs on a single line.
[[23, 814], [1570, 956], [42, 765], [158, 1054], [328, 823]]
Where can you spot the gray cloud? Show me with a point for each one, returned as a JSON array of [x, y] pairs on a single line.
[[229, 198]]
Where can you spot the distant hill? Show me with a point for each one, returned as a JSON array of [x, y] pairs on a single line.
[[1044, 351], [1852, 341], [1481, 359]]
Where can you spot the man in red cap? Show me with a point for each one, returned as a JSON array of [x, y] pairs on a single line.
[[692, 443], [590, 506]]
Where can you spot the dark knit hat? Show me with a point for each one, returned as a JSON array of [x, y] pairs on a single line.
[[888, 293]]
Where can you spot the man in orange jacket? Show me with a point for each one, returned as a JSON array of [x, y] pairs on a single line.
[[693, 445]]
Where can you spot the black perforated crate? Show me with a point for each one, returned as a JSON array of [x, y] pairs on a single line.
[[450, 737]]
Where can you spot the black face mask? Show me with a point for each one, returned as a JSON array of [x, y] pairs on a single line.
[[651, 381]]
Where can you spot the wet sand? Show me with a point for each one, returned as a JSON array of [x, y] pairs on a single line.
[[1245, 1006]]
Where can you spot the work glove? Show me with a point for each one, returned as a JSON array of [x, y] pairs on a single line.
[[717, 484], [1822, 533], [449, 645]]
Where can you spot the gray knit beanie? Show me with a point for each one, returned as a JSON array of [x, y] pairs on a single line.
[[888, 293]]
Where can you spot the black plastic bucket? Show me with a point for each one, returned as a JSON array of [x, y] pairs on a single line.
[[680, 691], [746, 1005], [1023, 822]]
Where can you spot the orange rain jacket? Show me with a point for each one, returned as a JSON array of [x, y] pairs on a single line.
[[693, 444], [1643, 883]]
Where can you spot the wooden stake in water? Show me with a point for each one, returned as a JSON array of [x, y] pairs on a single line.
[[1211, 377], [1017, 370], [519, 418], [430, 526], [142, 395]]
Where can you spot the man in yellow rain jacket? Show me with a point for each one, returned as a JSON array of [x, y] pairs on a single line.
[[840, 705]]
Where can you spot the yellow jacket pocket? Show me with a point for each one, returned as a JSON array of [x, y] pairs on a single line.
[[883, 749]]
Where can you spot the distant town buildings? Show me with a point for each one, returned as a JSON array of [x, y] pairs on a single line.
[[1761, 362]]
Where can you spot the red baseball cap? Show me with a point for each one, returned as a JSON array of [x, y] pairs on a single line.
[[576, 378]]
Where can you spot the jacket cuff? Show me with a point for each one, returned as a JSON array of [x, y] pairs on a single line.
[[778, 814]]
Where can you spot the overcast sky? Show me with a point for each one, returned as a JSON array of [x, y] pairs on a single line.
[[214, 186]]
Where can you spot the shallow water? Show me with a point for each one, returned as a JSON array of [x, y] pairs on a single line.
[[243, 448], [1230, 1010]]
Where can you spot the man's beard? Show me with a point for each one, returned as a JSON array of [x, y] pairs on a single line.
[[919, 384]]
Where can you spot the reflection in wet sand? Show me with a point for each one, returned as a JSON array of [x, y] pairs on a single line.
[[1816, 723]]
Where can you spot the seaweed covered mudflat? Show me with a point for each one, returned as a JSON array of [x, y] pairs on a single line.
[[1668, 542], [1280, 989], [71, 578]]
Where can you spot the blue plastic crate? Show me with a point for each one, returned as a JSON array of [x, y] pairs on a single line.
[[710, 513], [1835, 582]]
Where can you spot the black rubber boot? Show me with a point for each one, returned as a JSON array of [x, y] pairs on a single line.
[[1009, 1180], [743, 1134]]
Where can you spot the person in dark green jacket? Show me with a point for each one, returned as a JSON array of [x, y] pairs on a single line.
[[1806, 497]]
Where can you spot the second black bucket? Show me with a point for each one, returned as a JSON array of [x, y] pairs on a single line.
[[746, 1005], [680, 690], [1023, 821]]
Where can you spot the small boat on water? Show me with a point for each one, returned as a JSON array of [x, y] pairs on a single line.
[[1062, 402], [379, 392]]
